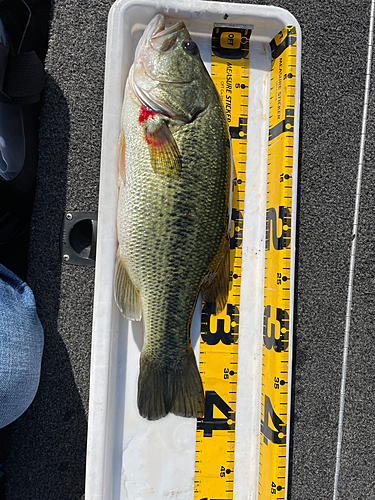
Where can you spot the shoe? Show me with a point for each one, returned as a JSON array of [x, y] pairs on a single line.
[[23, 48]]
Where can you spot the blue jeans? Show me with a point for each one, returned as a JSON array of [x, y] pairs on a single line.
[[21, 347]]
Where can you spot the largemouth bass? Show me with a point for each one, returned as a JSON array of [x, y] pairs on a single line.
[[173, 216]]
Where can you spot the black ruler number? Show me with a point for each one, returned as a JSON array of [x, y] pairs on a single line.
[[278, 243], [269, 337], [213, 338], [269, 434], [208, 424]]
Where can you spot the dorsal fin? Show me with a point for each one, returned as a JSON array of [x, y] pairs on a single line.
[[215, 285]]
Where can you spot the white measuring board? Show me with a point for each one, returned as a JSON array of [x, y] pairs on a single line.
[[129, 457]]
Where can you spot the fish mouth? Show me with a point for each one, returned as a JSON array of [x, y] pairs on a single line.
[[160, 29], [160, 37]]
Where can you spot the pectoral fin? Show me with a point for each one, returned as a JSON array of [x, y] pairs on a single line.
[[164, 152], [126, 295]]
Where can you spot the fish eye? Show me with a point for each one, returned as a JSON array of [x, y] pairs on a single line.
[[191, 48]]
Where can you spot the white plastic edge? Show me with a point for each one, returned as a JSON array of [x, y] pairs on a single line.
[[99, 425]]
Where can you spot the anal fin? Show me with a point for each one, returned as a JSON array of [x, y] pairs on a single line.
[[126, 295]]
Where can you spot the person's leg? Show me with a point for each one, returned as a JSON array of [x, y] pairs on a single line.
[[24, 26], [21, 347]]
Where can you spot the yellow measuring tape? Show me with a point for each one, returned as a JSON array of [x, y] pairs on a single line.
[[214, 459], [276, 361]]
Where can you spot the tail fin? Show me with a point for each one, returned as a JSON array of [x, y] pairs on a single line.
[[167, 388]]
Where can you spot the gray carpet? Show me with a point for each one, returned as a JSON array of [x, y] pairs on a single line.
[[49, 441], [47, 460]]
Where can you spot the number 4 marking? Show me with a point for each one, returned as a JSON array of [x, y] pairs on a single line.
[[277, 434], [208, 424]]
